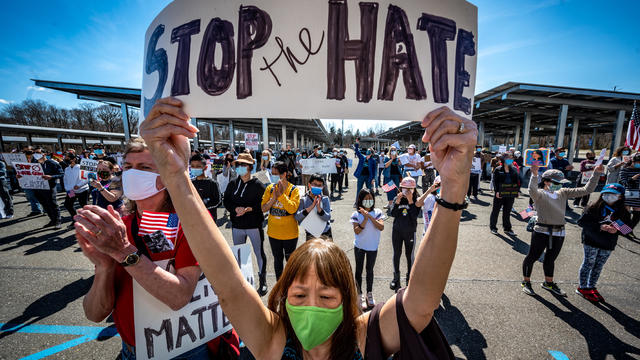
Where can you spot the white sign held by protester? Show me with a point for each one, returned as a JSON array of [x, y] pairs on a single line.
[[88, 169], [162, 333], [476, 165], [11, 158], [295, 58], [313, 223], [251, 141], [502, 149], [603, 152], [31, 176], [318, 166], [396, 145]]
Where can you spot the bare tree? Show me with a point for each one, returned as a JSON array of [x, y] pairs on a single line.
[[111, 118]]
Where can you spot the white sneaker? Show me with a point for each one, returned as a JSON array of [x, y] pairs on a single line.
[[363, 302], [370, 301]]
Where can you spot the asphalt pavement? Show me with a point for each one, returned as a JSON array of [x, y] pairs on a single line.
[[484, 314]]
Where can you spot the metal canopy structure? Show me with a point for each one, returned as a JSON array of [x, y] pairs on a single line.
[[301, 131], [523, 110]]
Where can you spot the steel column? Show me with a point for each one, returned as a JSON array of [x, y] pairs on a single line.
[[265, 134], [125, 121], [617, 135], [525, 132], [232, 136], [196, 139], [562, 124], [574, 139]]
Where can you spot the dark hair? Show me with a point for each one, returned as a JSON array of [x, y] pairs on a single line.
[[333, 269], [619, 208], [196, 157], [315, 177], [110, 159], [281, 167], [363, 194], [305, 153]]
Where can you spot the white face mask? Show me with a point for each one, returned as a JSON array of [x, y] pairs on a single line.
[[610, 198], [139, 185], [37, 156], [367, 203]]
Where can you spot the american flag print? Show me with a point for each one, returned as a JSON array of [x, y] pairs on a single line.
[[527, 212], [167, 223], [622, 227], [633, 131]]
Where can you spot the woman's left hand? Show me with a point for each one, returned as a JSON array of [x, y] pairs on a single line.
[[105, 230], [166, 131], [599, 169], [451, 150]]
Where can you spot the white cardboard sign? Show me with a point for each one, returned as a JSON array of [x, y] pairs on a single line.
[[11, 158], [162, 333], [318, 166], [312, 59], [88, 169], [31, 176], [251, 141], [313, 223]]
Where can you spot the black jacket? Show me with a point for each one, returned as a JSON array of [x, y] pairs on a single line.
[[591, 220], [50, 167], [209, 192], [241, 194], [406, 216], [501, 177]]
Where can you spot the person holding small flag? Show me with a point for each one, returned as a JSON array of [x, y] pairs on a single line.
[[630, 179], [601, 223], [392, 174]]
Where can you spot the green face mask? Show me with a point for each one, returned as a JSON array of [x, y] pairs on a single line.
[[555, 187], [313, 325]]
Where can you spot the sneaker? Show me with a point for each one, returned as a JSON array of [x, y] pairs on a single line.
[[553, 287], [526, 288], [386, 206], [494, 231], [587, 294], [597, 295], [510, 232], [363, 302], [57, 225], [34, 213], [10, 216], [370, 301]]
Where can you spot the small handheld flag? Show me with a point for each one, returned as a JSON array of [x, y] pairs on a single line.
[[622, 227], [388, 187], [526, 213]]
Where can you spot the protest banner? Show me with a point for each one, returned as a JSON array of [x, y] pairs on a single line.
[[251, 141], [502, 149], [11, 158], [223, 59], [31, 176], [476, 165], [318, 166], [88, 169], [162, 333]]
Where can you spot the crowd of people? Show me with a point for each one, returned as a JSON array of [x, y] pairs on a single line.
[[317, 307]]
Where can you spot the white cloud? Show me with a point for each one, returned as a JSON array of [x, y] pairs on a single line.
[[37, 88], [5, 102]]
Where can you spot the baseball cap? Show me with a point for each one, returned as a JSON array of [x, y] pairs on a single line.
[[408, 183], [613, 188], [555, 175]]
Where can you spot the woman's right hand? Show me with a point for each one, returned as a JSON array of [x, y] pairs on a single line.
[[94, 255], [166, 131]]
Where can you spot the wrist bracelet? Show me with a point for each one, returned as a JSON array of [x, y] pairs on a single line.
[[452, 206]]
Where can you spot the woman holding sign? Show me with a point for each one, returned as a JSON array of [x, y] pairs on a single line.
[[313, 310], [120, 254], [550, 199]]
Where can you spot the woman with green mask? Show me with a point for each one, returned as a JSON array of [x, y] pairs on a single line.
[[313, 311], [550, 200]]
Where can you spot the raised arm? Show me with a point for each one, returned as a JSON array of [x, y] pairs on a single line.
[[589, 187], [451, 153], [166, 130]]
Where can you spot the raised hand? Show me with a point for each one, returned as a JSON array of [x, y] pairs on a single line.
[[167, 130], [451, 150]]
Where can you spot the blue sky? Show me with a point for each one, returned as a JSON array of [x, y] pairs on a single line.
[[579, 43]]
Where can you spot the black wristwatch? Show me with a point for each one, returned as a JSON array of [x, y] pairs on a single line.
[[452, 206], [131, 259]]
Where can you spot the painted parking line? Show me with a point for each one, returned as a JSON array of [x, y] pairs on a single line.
[[89, 333], [558, 355]]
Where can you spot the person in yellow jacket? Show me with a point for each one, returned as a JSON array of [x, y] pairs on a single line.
[[281, 199]]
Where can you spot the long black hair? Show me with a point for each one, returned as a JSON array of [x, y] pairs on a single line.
[[361, 195], [619, 209]]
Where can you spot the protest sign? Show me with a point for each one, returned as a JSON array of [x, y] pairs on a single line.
[[476, 165], [263, 176], [502, 149], [314, 224], [31, 176], [162, 333], [396, 145], [603, 152], [88, 169], [251, 141], [509, 190], [318, 166], [296, 58], [537, 155], [11, 158]]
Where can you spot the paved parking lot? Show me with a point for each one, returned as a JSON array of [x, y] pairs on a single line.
[[484, 314]]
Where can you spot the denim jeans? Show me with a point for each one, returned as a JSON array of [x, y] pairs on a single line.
[[594, 260], [31, 197], [362, 180], [199, 353]]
